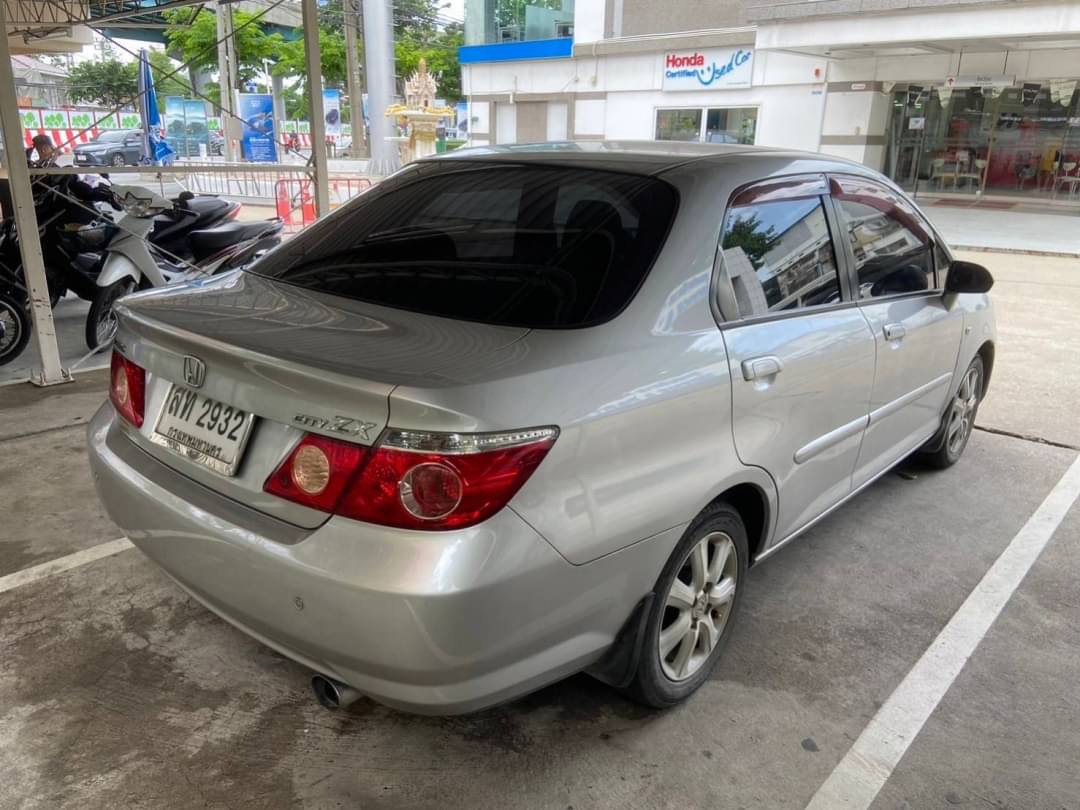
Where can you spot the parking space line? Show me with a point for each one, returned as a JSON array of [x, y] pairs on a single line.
[[61, 564], [863, 771]]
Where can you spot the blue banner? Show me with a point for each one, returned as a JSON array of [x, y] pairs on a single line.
[[257, 141]]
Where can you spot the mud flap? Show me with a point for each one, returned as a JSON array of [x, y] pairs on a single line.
[[620, 662]]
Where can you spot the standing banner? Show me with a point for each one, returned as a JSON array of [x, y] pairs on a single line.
[[175, 126], [195, 125], [332, 111], [257, 140]]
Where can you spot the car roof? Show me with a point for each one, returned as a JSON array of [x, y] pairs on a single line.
[[640, 157]]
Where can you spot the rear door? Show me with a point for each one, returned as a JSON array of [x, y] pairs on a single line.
[[890, 249], [801, 353]]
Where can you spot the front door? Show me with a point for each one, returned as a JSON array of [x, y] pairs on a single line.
[[891, 250], [801, 353]]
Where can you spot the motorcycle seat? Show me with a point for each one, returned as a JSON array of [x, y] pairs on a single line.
[[212, 240]]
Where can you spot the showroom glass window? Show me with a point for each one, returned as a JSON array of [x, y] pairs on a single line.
[[707, 124], [890, 243], [777, 252], [488, 23]]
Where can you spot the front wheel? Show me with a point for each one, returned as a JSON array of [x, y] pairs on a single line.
[[690, 619], [14, 328], [118, 160], [959, 419], [101, 320]]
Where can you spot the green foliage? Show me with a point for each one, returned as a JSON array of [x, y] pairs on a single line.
[[111, 83], [440, 48], [747, 233], [195, 42], [161, 66]]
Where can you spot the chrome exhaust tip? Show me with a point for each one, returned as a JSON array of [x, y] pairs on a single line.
[[333, 694]]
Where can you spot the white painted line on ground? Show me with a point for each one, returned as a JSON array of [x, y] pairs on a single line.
[[58, 566], [866, 767]]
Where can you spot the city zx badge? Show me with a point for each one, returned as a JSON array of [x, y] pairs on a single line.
[[336, 424]]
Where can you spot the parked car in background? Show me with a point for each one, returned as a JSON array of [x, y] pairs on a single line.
[[115, 147], [523, 411]]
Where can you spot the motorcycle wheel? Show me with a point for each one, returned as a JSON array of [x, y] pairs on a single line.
[[101, 320], [14, 328]]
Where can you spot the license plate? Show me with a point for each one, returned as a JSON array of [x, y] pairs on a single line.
[[202, 429]]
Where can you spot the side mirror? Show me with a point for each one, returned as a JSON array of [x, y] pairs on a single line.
[[968, 277]]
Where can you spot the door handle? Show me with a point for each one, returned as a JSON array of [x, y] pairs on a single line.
[[894, 331], [758, 367]]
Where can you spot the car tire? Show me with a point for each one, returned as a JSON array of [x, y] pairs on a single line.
[[117, 160], [959, 418], [690, 619], [100, 320]]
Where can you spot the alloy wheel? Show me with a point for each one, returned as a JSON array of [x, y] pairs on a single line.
[[962, 415], [697, 605]]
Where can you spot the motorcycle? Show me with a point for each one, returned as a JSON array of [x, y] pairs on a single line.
[[14, 327], [134, 261]]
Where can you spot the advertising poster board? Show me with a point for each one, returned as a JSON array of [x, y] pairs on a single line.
[[257, 140]]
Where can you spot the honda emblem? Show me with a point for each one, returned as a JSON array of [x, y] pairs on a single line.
[[194, 371]]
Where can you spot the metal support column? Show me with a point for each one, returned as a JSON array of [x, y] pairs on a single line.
[[318, 115], [22, 196], [228, 72], [352, 70], [379, 59]]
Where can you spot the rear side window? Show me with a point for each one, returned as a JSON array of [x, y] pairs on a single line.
[[778, 253], [530, 246], [890, 243]]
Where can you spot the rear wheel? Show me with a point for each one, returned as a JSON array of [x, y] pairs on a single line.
[[959, 419], [14, 328], [691, 617], [101, 320]]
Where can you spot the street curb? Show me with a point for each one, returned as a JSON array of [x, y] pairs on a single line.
[[1058, 254]]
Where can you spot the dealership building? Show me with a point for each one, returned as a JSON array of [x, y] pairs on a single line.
[[968, 97]]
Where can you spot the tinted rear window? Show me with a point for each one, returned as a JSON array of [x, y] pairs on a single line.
[[538, 247]]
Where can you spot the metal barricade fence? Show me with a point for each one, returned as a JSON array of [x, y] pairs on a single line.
[[294, 198]]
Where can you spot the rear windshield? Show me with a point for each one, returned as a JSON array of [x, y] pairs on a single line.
[[539, 247]]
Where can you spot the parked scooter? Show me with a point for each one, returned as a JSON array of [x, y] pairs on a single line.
[[132, 261]]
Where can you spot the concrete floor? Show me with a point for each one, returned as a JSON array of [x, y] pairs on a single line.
[[116, 690]]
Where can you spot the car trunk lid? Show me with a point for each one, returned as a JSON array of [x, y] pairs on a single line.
[[300, 361]]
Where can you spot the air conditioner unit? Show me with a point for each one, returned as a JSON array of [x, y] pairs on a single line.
[[564, 29]]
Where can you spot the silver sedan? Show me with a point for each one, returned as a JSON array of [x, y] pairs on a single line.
[[518, 413]]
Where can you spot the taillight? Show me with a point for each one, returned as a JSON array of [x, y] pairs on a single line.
[[412, 479], [127, 389], [234, 213], [316, 472]]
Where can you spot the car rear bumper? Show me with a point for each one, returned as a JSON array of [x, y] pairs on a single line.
[[429, 622]]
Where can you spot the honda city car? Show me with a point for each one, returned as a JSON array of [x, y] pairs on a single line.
[[516, 413]]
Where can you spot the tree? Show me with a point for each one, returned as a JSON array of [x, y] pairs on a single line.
[[747, 233], [111, 83], [194, 41], [440, 48], [161, 66]]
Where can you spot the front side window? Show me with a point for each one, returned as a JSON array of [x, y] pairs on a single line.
[[777, 251], [891, 245], [530, 246]]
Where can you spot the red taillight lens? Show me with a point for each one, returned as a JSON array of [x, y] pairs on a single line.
[[128, 388], [413, 480], [234, 213], [316, 472]]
